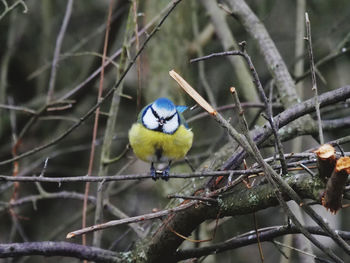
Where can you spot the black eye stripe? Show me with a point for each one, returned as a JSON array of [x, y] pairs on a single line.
[[154, 113], [169, 118], [157, 116]]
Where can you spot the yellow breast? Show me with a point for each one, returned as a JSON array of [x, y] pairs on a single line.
[[154, 146]]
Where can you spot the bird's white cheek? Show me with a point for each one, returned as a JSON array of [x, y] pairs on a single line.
[[171, 125], [149, 120]]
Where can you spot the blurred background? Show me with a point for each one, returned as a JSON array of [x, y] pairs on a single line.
[[28, 37]]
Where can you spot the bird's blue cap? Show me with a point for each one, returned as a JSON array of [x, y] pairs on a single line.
[[165, 104]]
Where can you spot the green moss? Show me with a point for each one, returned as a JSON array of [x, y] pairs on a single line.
[[253, 199]]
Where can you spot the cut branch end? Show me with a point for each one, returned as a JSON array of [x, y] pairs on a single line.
[[70, 235], [326, 151], [232, 90], [333, 196], [343, 164], [325, 161]]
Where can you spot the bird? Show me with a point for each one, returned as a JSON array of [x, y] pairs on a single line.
[[161, 135]]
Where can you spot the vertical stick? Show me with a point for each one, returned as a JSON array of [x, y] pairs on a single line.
[[97, 113], [58, 50], [138, 61], [313, 77]]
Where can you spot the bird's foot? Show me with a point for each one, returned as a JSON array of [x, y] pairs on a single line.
[[165, 174], [153, 173]]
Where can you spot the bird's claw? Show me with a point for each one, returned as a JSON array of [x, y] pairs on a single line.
[[153, 173], [165, 174]]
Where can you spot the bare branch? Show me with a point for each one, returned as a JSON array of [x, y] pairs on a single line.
[[129, 220], [313, 77], [267, 234], [66, 249], [274, 62], [56, 55]]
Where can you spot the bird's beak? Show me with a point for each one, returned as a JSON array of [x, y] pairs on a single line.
[[161, 121]]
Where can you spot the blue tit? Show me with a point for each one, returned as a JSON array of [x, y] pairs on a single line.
[[161, 135]]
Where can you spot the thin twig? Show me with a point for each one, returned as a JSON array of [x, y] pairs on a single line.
[[129, 220], [295, 249], [11, 7], [258, 238], [340, 50], [17, 108], [15, 168], [57, 51], [137, 46], [299, 43], [313, 77]]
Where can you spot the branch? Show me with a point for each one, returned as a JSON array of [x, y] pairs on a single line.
[[292, 131], [58, 46], [112, 178], [313, 77], [339, 51], [50, 249], [273, 59], [130, 220], [267, 234], [227, 40], [9, 8]]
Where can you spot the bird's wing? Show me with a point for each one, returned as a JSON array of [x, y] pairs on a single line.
[[181, 108]]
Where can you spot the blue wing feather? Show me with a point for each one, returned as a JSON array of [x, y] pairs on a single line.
[[181, 108]]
